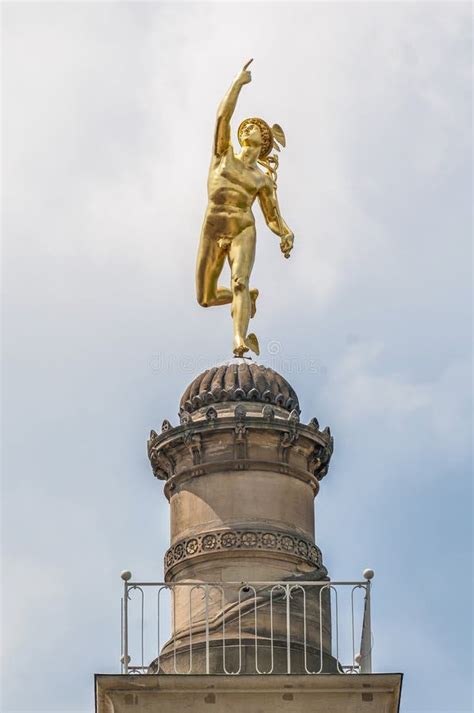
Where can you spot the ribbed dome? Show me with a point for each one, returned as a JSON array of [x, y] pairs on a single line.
[[239, 380]]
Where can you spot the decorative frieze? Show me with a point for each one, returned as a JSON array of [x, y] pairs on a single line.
[[244, 540]]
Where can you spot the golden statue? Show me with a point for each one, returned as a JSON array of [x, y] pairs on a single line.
[[228, 230]]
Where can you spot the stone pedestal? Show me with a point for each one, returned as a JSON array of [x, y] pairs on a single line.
[[374, 693], [241, 475]]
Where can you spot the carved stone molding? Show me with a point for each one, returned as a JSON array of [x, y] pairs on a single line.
[[193, 442], [244, 540], [162, 461], [318, 462]]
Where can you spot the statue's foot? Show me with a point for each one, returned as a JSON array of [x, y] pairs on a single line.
[[240, 347], [252, 342], [253, 301]]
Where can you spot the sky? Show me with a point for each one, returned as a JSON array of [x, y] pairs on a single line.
[[108, 116]]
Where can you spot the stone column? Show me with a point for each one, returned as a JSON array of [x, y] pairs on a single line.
[[241, 475]]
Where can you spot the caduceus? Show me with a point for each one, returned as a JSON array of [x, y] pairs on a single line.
[[228, 232]]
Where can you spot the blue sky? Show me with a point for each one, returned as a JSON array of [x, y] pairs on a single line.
[[108, 113]]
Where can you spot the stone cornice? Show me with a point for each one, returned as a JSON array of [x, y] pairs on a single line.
[[218, 441]]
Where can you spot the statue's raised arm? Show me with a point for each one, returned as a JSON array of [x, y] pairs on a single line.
[[226, 110], [228, 232]]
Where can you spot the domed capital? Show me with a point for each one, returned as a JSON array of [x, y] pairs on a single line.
[[238, 380]]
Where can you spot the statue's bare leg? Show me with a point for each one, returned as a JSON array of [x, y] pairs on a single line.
[[209, 267], [241, 259]]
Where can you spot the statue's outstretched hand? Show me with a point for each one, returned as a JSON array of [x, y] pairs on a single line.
[[286, 244], [244, 76]]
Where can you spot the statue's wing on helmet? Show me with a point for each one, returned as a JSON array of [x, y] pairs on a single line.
[[279, 134]]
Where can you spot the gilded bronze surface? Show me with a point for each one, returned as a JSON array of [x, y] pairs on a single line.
[[228, 232]]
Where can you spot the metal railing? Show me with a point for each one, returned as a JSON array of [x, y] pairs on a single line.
[[246, 627]]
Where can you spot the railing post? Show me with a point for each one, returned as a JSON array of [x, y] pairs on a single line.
[[366, 640], [126, 576], [207, 628], [121, 635], [288, 630]]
